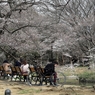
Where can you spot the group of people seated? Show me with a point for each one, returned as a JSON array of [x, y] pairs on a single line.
[[24, 66], [48, 70]]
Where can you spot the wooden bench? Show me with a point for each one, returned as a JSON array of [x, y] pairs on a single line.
[[16, 73], [22, 74], [39, 76], [33, 74], [1, 71]]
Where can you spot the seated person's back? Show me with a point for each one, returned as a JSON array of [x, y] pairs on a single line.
[[49, 69], [6, 66], [25, 67]]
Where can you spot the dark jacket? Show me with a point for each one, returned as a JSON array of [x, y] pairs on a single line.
[[17, 63], [49, 69]]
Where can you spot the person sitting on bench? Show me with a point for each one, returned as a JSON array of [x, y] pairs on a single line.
[[50, 70]]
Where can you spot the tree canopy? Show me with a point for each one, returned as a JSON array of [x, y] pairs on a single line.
[[67, 25]]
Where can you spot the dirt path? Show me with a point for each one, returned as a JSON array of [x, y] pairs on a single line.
[[18, 88]]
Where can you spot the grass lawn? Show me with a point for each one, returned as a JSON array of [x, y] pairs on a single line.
[[83, 72]]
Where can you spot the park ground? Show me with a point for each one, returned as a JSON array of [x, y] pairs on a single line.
[[18, 88]]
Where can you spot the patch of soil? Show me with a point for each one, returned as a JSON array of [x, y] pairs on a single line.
[[20, 88]]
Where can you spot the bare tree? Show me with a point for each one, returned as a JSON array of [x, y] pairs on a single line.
[[34, 24]]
